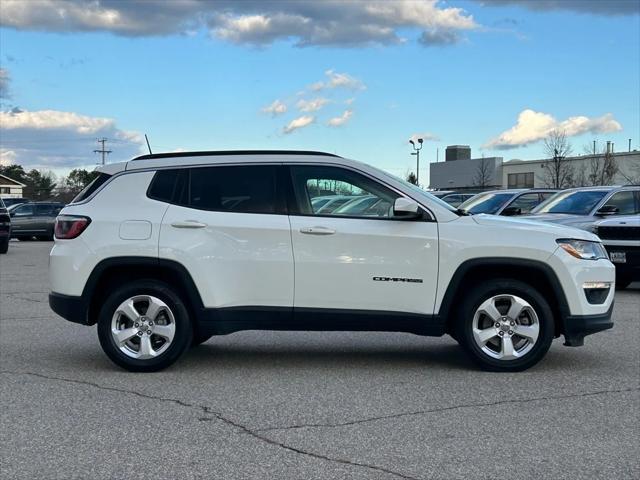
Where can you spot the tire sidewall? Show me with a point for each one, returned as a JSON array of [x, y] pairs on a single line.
[[182, 338], [479, 294]]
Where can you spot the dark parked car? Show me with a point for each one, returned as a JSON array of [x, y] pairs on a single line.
[[621, 238], [506, 202], [34, 219], [5, 228], [10, 201], [456, 199]]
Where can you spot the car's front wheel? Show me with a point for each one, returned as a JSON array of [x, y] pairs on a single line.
[[505, 325], [144, 326], [4, 245]]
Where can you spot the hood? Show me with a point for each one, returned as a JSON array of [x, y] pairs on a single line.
[[520, 223], [584, 222]]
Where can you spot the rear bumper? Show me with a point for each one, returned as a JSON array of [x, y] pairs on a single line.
[[576, 327], [69, 307]]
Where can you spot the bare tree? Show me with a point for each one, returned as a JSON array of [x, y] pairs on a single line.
[[602, 168], [483, 176], [558, 170]]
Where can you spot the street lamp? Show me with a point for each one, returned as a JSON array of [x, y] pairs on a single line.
[[417, 154]]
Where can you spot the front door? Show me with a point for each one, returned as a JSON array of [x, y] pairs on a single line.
[[358, 256]]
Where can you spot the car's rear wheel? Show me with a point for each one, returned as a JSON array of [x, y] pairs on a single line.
[[4, 245], [505, 325], [144, 326]]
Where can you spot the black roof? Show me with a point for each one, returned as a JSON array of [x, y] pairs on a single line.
[[233, 152]]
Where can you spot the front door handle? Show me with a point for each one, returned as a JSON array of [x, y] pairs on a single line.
[[188, 224], [317, 231]]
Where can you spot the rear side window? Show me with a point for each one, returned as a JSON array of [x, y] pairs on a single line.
[[241, 189], [92, 187], [245, 189], [45, 209]]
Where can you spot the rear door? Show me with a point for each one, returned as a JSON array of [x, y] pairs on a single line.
[[228, 226], [359, 257], [22, 219]]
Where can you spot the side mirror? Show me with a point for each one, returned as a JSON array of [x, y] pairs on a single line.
[[512, 211], [607, 210], [406, 208]]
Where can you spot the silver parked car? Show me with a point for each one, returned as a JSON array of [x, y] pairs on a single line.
[[582, 207]]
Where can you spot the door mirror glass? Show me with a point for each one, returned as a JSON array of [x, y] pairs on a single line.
[[607, 210], [406, 208]]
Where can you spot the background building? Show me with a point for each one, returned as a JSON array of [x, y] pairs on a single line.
[[10, 187], [461, 172]]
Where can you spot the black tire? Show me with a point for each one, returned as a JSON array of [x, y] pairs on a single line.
[[463, 327], [4, 245], [44, 238], [183, 329]]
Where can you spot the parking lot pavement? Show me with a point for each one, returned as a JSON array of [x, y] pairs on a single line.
[[306, 405]]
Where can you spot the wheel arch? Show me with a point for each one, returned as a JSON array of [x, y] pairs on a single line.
[[533, 272], [112, 271]]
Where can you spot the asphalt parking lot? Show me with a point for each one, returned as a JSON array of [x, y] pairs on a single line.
[[306, 405]]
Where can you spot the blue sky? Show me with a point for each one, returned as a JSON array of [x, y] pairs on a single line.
[[191, 85]]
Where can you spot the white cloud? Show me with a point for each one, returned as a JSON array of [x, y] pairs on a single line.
[[341, 120], [329, 22], [277, 107], [311, 105], [534, 126], [338, 80], [349, 101], [7, 157], [56, 139], [297, 123], [426, 137]]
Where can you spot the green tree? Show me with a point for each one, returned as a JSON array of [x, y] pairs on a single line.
[[15, 172], [411, 178], [79, 178], [40, 185]]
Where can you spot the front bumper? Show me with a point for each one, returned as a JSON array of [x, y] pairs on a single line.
[[69, 307], [576, 327]]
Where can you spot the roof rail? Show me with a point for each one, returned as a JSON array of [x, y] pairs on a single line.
[[232, 152]]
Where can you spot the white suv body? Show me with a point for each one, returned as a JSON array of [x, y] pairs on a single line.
[[232, 237]]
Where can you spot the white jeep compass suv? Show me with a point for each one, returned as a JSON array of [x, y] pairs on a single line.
[[166, 250]]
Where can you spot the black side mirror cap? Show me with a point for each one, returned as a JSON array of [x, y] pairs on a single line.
[[608, 210], [512, 211]]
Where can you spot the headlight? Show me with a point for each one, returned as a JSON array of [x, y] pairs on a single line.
[[583, 249]]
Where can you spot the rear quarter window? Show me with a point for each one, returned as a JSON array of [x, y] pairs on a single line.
[[92, 187]]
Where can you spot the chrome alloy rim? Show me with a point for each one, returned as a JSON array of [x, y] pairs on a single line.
[[143, 327], [505, 327]]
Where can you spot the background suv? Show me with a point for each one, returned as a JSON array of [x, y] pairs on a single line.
[[34, 219], [168, 249], [621, 237]]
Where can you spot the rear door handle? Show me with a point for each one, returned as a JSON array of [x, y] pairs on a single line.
[[188, 224], [317, 231]]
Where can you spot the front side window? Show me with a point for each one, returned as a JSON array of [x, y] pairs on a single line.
[[526, 202], [23, 211], [624, 202], [350, 194]]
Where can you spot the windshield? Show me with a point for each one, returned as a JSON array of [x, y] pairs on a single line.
[[486, 203], [575, 202]]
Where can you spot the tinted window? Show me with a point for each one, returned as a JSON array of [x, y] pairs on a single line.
[[579, 202], [169, 186], [92, 187], [355, 194], [246, 189], [624, 201], [486, 203], [23, 210], [44, 209]]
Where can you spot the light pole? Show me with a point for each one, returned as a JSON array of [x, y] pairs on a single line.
[[417, 154]]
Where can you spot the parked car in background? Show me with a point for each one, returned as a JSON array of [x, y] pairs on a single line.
[[5, 228], [34, 219], [455, 199], [621, 237], [506, 202], [334, 202], [10, 201], [582, 207], [441, 193]]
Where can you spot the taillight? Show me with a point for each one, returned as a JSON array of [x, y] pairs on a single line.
[[70, 226]]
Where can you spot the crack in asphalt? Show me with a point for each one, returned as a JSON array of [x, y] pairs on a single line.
[[207, 410], [444, 409], [13, 295]]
